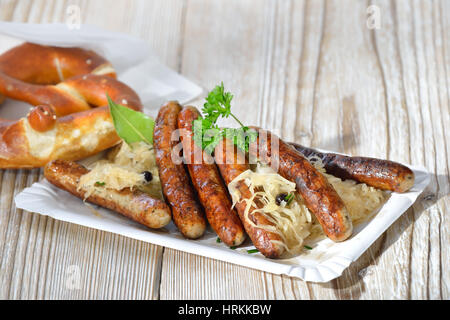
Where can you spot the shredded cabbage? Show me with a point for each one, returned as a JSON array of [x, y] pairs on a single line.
[[290, 221], [294, 223], [362, 201], [124, 169]]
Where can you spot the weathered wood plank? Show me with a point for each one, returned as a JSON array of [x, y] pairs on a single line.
[[237, 59], [40, 257]]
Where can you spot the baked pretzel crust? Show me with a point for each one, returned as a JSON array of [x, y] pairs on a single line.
[[73, 120]]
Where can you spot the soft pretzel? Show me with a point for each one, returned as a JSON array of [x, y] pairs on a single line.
[[71, 120], [38, 64]]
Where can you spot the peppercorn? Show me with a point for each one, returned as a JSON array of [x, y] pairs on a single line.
[[280, 198], [147, 176]]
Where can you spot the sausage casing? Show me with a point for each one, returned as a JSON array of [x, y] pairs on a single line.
[[381, 174], [232, 163], [187, 213], [318, 194], [206, 179], [134, 204]]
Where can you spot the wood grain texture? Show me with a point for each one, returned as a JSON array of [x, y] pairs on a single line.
[[41, 256], [314, 72]]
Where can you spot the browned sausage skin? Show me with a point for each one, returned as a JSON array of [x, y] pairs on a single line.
[[381, 174], [187, 213], [318, 194], [205, 176], [232, 163], [136, 205]]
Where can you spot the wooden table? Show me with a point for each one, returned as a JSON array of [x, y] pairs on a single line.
[[363, 77]]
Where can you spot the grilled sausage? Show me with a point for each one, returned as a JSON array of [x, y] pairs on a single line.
[[381, 174], [232, 163], [318, 194], [187, 213], [136, 205], [205, 177]]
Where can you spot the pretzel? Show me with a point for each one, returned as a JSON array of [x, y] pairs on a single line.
[[68, 88], [38, 64]]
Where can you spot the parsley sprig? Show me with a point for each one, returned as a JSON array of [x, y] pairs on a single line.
[[207, 133]]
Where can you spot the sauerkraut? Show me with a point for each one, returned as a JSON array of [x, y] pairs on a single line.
[[361, 200], [291, 220], [124, 168], [294, 222]]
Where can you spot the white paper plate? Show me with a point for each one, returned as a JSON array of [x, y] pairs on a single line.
[[325, 262]]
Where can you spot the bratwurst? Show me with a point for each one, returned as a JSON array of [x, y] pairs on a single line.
[[208, 183], [134, 204], [381, 174], [232, 163], [187, 213], [318, 194]]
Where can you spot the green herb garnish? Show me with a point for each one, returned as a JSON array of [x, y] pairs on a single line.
[[100, 184], [289, 198], [308, 247], [233, 247], [131, 126], [218, 240], [252, 251], [207, 133]]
